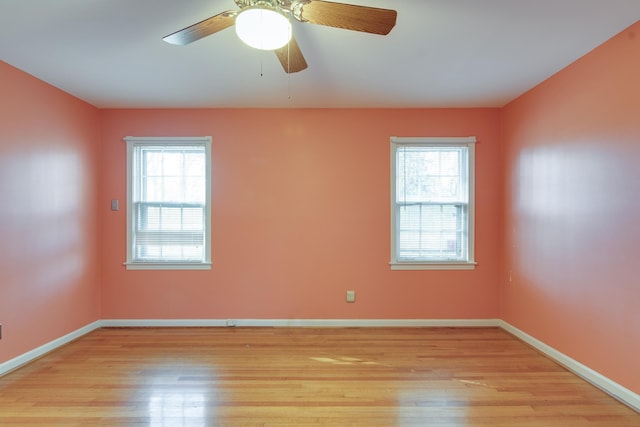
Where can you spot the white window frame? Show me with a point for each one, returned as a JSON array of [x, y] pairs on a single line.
[[470, 263], [132, 143]]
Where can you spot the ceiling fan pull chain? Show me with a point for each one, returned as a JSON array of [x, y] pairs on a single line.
[[289, 71]]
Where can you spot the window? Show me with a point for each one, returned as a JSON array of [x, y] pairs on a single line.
[[168, 203], [432, 203]]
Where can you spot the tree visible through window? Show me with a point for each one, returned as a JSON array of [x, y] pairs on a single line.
[[432, 202], [168, 202]]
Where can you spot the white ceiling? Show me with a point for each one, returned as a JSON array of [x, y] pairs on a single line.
[[442, 53]]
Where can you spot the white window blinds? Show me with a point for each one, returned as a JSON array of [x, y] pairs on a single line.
[[168, 201], [432, 208]]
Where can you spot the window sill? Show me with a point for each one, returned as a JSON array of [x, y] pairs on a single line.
[[167, 266], [433, 265]]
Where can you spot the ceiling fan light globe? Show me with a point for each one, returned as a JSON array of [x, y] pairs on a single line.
[[263, 29]]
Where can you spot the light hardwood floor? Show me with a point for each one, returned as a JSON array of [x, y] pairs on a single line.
[[302, 377]]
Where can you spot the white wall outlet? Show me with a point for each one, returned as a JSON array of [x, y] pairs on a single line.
[[231, 323], [351, 296]]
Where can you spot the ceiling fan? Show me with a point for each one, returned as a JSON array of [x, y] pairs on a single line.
[[254, 15]]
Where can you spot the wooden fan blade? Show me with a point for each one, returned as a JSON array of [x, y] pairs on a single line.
[[291, 57], [349, 16], [202, 29]]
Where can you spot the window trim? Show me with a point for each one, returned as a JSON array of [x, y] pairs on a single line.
[[470, 264], [134, 141]]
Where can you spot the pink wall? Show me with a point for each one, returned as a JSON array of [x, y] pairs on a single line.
[[49, 283], [572, 233], [300, 215]]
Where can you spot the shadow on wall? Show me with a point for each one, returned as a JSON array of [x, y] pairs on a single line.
[[41, 217], [574, 202]]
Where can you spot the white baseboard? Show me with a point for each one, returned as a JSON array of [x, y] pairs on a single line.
[[319, 323], [27, 357], [159, 323], [610, 387]]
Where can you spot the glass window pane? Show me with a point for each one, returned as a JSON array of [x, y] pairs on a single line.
[[169, 205], [431, 194]]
